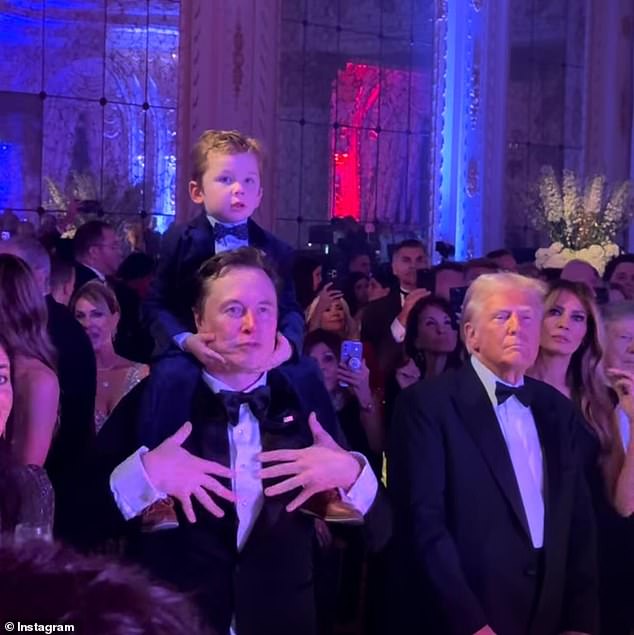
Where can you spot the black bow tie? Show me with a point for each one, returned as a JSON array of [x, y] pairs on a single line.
[[503, 392], [258, 401], [241, 232]]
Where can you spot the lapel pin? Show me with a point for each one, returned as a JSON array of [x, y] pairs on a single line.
[[288, 419]]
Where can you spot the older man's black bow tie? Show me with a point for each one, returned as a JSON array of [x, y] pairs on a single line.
[[503, 392], [258, 401], [241, 232]]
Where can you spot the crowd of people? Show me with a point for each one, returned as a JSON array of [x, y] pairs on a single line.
[[237, 437]]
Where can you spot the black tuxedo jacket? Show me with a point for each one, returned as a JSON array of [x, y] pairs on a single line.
[[268, 585], [459, 515], [375, 329], [74, 439], [173, 291], [133, 340]]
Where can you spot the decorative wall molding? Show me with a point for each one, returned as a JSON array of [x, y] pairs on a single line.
[[470, 76], [228, 80]]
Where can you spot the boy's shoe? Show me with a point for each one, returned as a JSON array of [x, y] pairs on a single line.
[[159, 516]]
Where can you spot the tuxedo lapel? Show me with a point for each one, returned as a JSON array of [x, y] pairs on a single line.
[[203, 242], [479, 418]]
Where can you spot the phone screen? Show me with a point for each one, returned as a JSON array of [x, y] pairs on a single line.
[[426, 279]]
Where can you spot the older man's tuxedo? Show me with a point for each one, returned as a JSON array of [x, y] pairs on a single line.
[[465, 555]]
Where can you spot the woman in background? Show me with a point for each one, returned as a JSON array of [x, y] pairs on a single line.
[[571, 360], [23, 323], [95, 307], [26, 495]]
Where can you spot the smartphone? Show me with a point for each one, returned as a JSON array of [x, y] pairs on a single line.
[[351, 356], [426, 279], [331, 276], [602, 295], [456, 300]]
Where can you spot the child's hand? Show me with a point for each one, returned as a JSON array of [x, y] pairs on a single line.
[[199, 345]]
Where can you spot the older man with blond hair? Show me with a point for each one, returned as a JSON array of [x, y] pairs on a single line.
[[492, 509]]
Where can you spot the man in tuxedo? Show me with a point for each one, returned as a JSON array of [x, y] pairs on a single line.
[[77, 375], [384, 320], [227, 183], [259, 446], [98, 255], [492, 510]]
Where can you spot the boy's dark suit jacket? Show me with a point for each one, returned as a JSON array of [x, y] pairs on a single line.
[[268, 585], [460, 522], [173, 291]]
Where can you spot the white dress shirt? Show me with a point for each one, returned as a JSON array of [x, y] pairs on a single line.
[[224, 244], [398, 330], [624, 427], [522, 441], [133, 491]]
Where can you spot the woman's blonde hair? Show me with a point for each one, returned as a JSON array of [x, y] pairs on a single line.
[[586, 373], [23, 312], [99, 294], [351, 326]]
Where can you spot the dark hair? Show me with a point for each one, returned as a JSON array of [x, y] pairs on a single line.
[[480, 263], [408, 243], [449, 266], [303, 268], [454, 359], [348, 290], [321, 336], [216, 266], [135, 266], [355, 252], [61, 272], [23, 312], [88, 235], [93, 593], [498, 253], [384, 276], [610, 268]]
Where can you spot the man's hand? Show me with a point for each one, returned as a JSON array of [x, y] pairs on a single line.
[[321, 467], [411, 299], [326, 297], [623, 383], [175, 471], [199, 345]]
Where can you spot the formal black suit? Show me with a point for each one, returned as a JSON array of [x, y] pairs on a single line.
[[173, 291], [74, 438], [268, 585], [375, 329], [460, 521], [133, 340]]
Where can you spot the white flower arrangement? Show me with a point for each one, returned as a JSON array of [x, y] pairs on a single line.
[[582, 223]]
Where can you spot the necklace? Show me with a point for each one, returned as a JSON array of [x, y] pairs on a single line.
[[105, 383]]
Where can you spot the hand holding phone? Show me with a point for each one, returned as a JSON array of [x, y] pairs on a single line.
[[351, 357]]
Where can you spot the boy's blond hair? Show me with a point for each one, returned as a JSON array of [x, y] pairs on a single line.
[[223, 142]]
